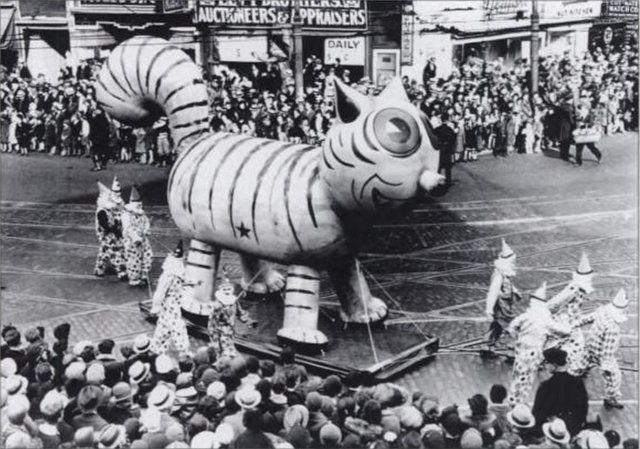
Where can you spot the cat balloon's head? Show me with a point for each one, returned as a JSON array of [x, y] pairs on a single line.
[[381, 152]]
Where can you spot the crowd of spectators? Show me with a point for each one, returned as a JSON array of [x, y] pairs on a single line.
[[124, 396], [487, 103]]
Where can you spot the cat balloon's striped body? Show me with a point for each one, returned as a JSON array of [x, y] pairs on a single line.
[[272, 200]]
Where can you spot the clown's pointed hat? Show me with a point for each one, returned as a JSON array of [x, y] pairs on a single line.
[[179, 251], [135, 196], [102, 189], [115, 185], [506, 252], [541, 293], [583, 275], [584, 268], [620, 301]]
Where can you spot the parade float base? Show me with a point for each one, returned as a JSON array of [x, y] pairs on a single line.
[[350, 347]]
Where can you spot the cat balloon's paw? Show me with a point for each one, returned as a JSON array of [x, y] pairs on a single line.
[[274, 280], [376, 311], [302, 335], [258, 288]]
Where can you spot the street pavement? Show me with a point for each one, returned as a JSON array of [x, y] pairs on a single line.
[[432, 265]]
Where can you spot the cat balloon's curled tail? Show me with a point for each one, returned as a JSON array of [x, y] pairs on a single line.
[[146, 77]]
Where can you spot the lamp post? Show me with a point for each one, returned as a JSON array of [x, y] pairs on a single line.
[[297, 47], [535, 47]]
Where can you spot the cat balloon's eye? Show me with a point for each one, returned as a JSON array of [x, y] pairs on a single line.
[[397, 131]]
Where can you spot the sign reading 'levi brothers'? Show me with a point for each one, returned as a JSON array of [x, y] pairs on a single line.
[[330, 14]]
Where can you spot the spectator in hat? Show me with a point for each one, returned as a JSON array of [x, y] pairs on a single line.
[[12, 347], [88, 401], [121, 407], [562, 395], [522, 426], [53, 431], [556, 436], [105, 351], [17, 419], [247, 399], [112, 436], [84, 438], [498, 406]]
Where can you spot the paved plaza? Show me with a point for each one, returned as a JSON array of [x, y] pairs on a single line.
[[431, 266]]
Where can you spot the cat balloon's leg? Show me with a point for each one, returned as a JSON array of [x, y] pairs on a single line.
[[259, 276], [301, 307], [200, 268], [358, 305]]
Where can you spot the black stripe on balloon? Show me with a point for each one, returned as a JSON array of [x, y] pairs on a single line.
[[357, 153], [297, 306], [326, 162], [303, 276], [300, 290], [214, 178], [366, 136], [153, 62], [109, 92], [346, 164], [313, 177], [167, 71], [353, 192], [124, 72], [183, 156], [192, 123], [179, 88], [287, 186], [141, 47], [115, 79], [199, 265], [191, 134], [201, 251], [195, 168], [260, 177], [232, 187], [376, 176], [193, 104]]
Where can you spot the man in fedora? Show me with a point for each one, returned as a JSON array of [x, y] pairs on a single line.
[[502, 294], [603, 342], [522, 426], [562, 395], [556, 436], [565, 307], [531, 331]]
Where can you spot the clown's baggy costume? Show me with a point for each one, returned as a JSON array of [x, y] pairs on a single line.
[[502, 294], [565, 307], [531, 330], [226, 308], [603, 342], [170, 327], [135, 227], [108, 222]]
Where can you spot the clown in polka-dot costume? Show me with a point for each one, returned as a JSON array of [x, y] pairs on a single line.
[[531, 330], [108, 223], [135, 226], [565, 307], [170, 327]]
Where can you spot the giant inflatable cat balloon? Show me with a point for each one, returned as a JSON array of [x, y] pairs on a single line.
[[275, 201]]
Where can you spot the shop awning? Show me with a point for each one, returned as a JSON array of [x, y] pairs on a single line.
[[7, 25]]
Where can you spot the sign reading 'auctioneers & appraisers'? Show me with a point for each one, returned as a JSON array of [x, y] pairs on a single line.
[[317, 14]]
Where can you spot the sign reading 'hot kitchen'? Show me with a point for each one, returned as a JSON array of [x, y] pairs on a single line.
[[318, 14]]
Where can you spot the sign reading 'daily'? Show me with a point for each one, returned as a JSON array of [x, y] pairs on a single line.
[[349, 50], [317, 14]]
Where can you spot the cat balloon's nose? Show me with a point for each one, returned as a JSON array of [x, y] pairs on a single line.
[[430, 180]]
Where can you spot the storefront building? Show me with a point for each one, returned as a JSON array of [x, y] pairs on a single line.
[[617, 25], [491, 30], [97, 26], [245, 32], [35, 32]]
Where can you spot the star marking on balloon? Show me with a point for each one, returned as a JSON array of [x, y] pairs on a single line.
[[244, 231]]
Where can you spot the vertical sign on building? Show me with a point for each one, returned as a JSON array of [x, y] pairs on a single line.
[[406, 54]]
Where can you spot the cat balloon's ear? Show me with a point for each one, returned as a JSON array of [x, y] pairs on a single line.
[[394, 89], [349, 102]]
